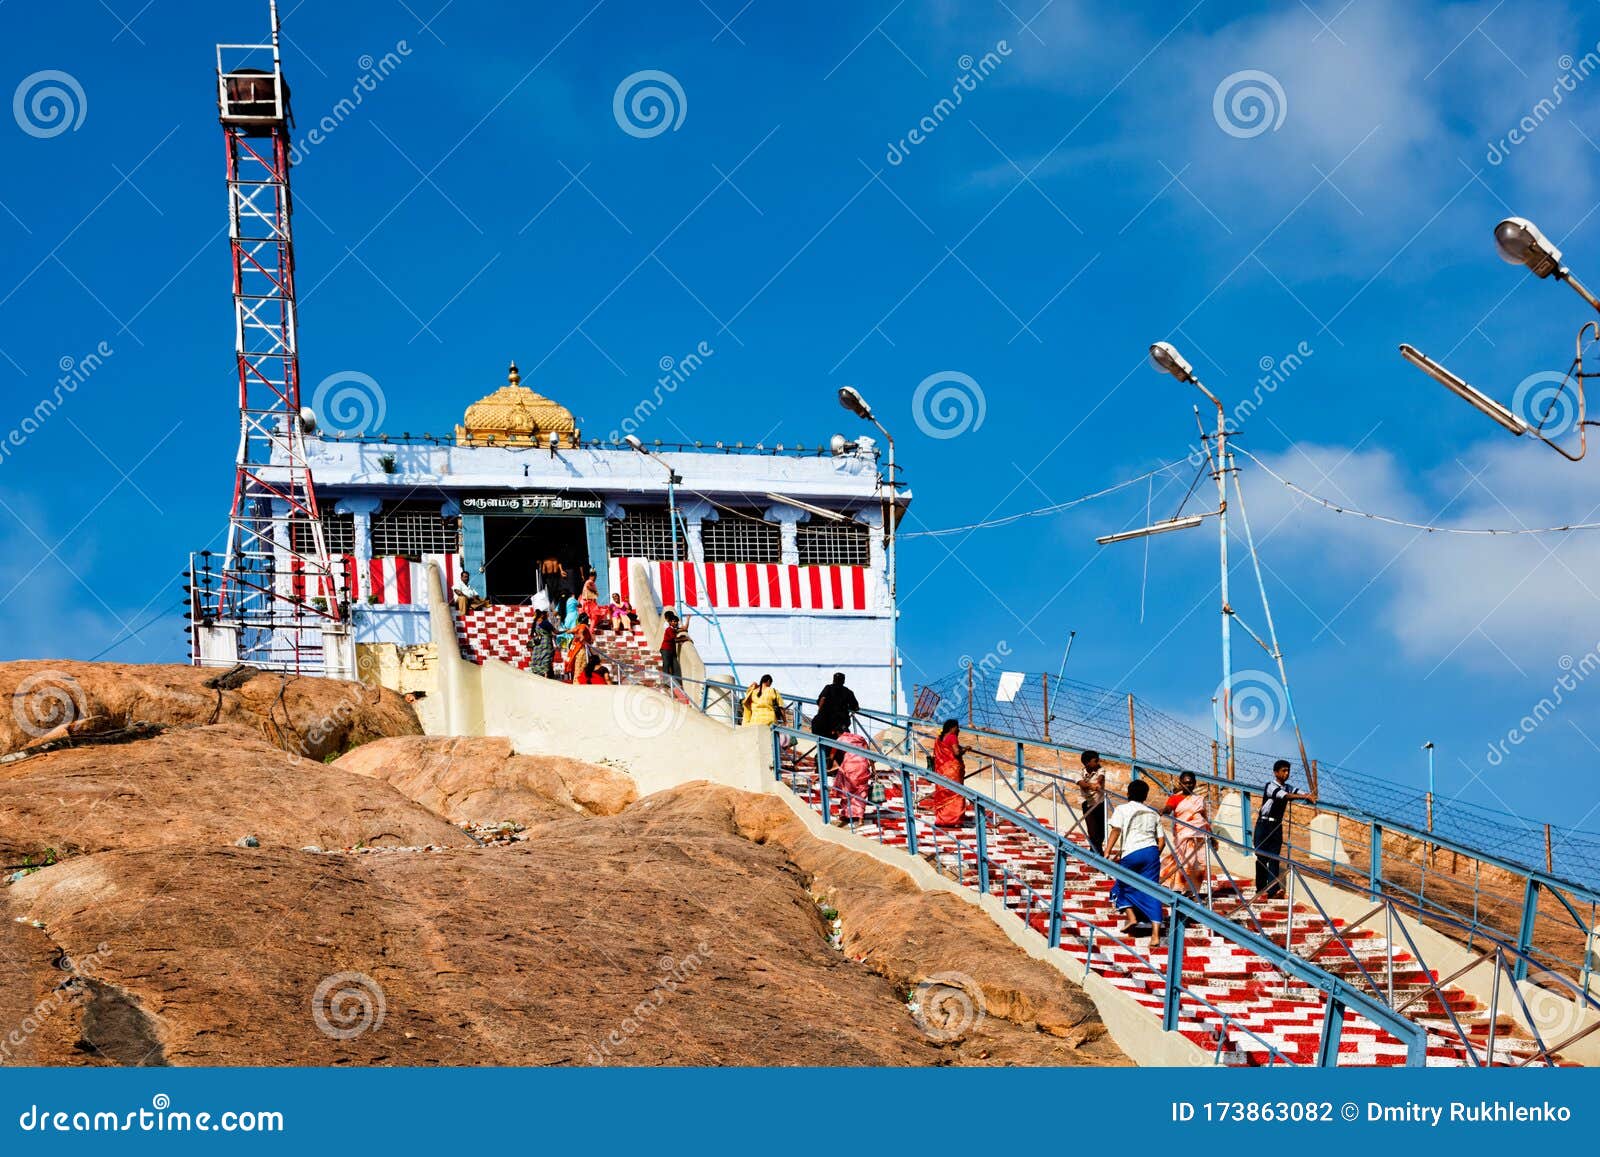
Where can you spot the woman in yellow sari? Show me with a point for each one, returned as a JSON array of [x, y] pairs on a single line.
[[1191, 833]]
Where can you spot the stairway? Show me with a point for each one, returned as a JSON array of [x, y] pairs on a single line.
[[501, 632], [1244, 1003]]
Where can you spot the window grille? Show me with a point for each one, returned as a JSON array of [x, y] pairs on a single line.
[[741, 538], [412, 532], [643, 534], [833, 543], [338, 534]]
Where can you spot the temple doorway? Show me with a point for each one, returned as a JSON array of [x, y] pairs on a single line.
[[516, 552]]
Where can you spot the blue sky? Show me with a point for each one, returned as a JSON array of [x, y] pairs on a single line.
[[1085, 198]]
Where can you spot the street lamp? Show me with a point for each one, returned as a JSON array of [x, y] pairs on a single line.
[[1462, 390], [1169, 361], [673, 479], [1156, 528], [850, 398], [1520, 243]]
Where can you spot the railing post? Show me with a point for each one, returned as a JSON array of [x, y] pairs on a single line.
[[1021, 769], [1374, 859], [777, 756], [1246, 836], [1332, 1030], [1045, 678], [822, 782], [1058, 891], [910, 801], [983, 848], [1133, 734], [1174, 992], [1530, 910], [705, 697], [969, 694]]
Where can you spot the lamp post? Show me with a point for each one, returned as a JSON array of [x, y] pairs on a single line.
[[1520, 242], [673, 479], [1428, 747], [850, 398], [1170, 361]]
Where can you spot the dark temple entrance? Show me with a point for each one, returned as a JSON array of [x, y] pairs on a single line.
[[515, 549]]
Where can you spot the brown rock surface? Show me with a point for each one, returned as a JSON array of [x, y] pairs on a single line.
[[481, 781], [690, 942], [310, 717], [198, 787], [686, 928]]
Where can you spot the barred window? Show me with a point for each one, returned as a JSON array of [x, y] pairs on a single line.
[[338, 534], [833, 543], [412, 531], [643, 534], [741, 538]]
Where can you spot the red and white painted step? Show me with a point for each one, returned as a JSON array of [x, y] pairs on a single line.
[[1235, 993]]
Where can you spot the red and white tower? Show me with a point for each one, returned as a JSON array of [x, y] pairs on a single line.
[[277, 592]]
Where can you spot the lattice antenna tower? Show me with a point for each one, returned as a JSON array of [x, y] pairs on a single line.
[[278, 583]]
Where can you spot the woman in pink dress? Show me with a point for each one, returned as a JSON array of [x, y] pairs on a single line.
[[852, 783], [1191, 832]]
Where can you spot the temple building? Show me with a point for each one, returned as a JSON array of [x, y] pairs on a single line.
[[777, 559]]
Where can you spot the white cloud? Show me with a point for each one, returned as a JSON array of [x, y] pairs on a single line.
[[1445, 597]]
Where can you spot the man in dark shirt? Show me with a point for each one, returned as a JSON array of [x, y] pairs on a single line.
[[1275, 799], [836, 707]]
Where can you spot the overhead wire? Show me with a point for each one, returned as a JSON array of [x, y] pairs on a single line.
[[1340, 508], [1056, 508]]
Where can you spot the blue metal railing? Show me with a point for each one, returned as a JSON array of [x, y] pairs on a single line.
[[1340, 996], [1533, 882], [1505, 956]]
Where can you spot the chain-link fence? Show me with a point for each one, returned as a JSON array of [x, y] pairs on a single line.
[[1082, 715]]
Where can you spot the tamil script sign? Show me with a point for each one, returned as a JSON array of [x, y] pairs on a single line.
[[529, 503]]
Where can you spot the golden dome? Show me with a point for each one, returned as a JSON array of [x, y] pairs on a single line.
[[516, 416]]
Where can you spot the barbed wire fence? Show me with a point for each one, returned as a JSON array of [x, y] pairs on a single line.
[[1082, 715]]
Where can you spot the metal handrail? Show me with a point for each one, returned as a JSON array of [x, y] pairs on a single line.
[[1341, 995], [1534, 880]]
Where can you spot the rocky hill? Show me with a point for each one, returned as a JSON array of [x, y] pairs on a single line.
[[191, 884]]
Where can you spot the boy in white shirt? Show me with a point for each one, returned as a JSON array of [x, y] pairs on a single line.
[[1135, 842]]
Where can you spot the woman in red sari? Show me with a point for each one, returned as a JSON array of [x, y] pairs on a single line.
[[578, 650], [949, 808]]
